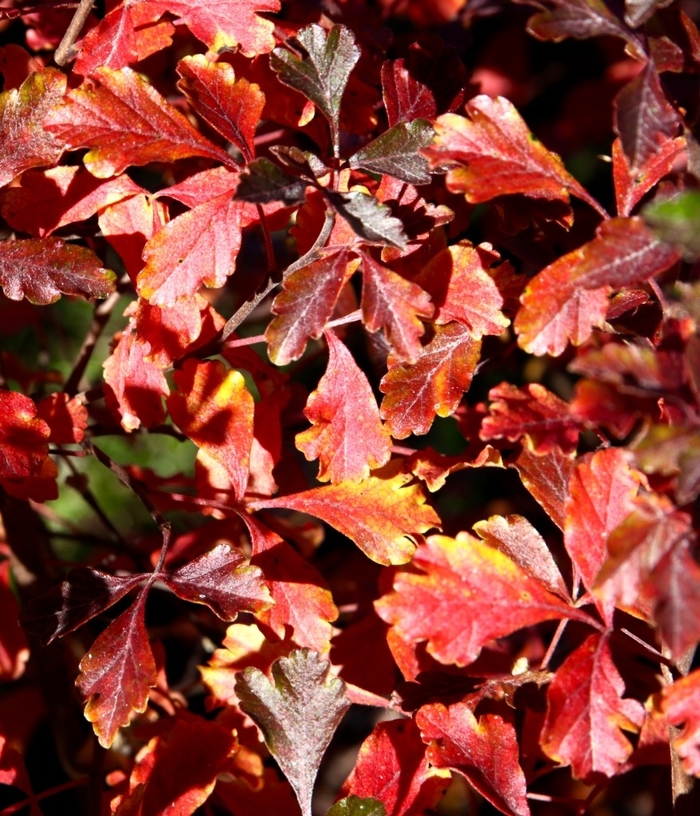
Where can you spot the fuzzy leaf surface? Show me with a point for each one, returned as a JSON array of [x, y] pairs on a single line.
[[396, 152], [485, 751], [432, 386], [43, 269], [124, 121], [298, 714], [117, 673], [570, 296], [445, 605], [586, 713], [379, 514], [347, 435]]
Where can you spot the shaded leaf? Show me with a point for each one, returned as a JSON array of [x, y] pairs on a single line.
[[24, 437], [213, 407], [43, 269], [570, 296], [347, 435], [380, 514], [675, 593], [369, 219], [13, 772], [85, 593], [394, 304], [323, 69], [493, 154], [298, 714], [117, 673], [432, 386], [302, 598], [519, 540], [306, 304], [355, 806], [644, 118], [396, 152], [221, 580], [263, 181], [681, 703], [445, 603], [22, 113], [485, 751], [531, 411], [392, 767], [124, 121], [232, 107], [586, 713], [406, 98], [14, 653]]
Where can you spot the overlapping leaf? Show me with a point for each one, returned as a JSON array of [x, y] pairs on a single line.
[[569, 297], [117, 673], [43, 269], [298, 713], [380, 514], [393, 768], [630, 187], [445, 603], [233, 107], [22, 113], [432, 386], [24, 437], [368, 218], [347, 435], [213, 407], [586, 713], [485, 751], [124, 121], [396, 152], [493, 153]]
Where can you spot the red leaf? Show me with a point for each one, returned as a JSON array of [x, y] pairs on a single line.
[[22, 113], [531, 411], [65, 416], [13, 772], [394, 304], [49, 199], [644, 118], [586, 712], [214, 409], [117, 673], [519, 540], [433, 385], [631, 186], [232, 107], [445, 604], [125, 121], [405, 97], [496, 155], [379, 514], [43, 269], [302, 599], [681, 702], [23, 437], [134, 385], [392, 767], [306, 304], [221, 580], [547, 480], [485, 751], [569, 297], [347, 435], [225, 24], [176, 774]]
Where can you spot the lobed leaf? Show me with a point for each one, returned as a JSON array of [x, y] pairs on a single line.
[[263, 181], [368, 218], [396, 152], [298, 713], [43, 269]]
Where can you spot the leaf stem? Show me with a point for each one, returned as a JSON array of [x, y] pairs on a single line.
[[37, 797], [65, 50]]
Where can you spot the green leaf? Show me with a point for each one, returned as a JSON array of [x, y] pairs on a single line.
[[369, 218], [677, 221], [297, 713], [322, 71], [264, 181], [396, 152], [354, 806]]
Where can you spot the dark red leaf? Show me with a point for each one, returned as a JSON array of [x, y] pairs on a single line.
[[23, 437]]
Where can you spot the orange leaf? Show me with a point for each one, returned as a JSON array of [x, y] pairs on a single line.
[[446, 603], [347, 434]]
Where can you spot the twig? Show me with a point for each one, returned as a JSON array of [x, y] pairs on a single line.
[[37, 797], [65, 51]]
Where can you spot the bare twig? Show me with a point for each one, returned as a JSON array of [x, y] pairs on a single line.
[[65, 50]]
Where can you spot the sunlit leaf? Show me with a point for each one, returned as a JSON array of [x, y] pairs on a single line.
[[396, 152], [369, 219], [24, 437], [681, 702], [298, 713]]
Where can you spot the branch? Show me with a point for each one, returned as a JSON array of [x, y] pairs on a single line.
[[65, 50]]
